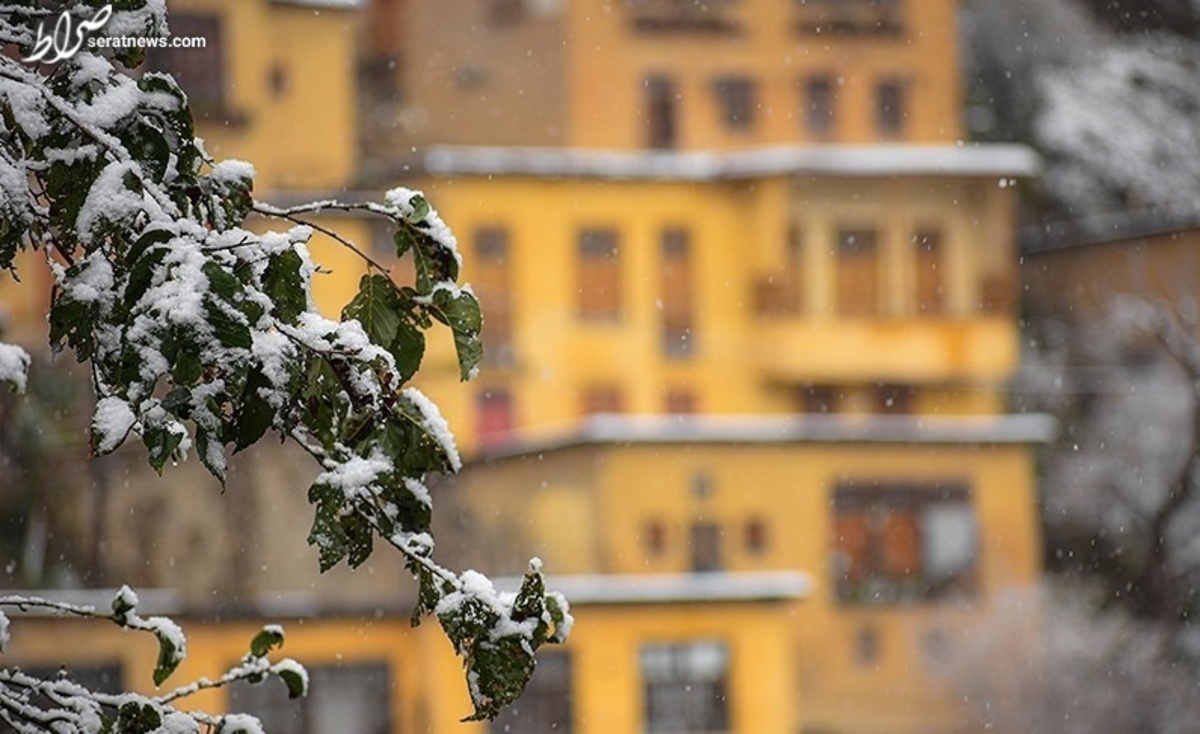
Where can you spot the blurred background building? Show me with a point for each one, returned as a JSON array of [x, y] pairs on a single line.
[[751, 323]]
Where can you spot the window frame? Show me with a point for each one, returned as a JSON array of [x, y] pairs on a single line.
[[678, 695], [881, 543]]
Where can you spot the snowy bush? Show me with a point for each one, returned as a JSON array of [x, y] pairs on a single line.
[[201, 336]]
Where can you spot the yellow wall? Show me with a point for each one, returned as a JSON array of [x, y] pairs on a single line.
[[742, 363], [304, 136]]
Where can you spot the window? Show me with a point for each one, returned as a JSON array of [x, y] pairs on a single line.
[[600, 277], [677, 301], [736, 98], [890, 110], [895, 399], [780, 294], [681, 402], [820, 399], [494, 290], [660, 112], [930, 283], [545, 706], [903, 543], [665, 16], [857, 272], [199, 71], [756, 536], [602, 399], [819, 103], [505, 12], [654, 538], [495, 417], [705, 544], [345, 698], [686, 687], [849, 17]]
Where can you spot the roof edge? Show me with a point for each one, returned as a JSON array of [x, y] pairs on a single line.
[[844, 160], [1026, 428], [600, 589]]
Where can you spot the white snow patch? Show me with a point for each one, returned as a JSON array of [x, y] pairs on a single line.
[[111, 422], [14, 366]]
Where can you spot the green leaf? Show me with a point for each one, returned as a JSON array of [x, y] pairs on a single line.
[[404, 241], [161, 444], [168, 658], [408, 350], [360, 539], [327, 533], [375, 308], [136, 718], [459, 310], [228, 330], [256, 414], [203, 439], [297, 686], [141, 273], [420, 209], [500, 670], [223, 283], [284, 285], [266, 640]]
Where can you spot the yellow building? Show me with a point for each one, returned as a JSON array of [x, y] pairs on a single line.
[[749, 307], [750, 320]]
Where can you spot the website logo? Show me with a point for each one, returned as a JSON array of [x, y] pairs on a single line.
[[67, 37]]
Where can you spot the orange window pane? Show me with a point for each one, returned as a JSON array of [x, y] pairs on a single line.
[[599, 275], [857, 272], [930, 272]]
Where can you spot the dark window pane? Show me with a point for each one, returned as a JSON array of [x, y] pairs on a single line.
[[660, 112], [890, 108], [736, 99], [819, 105], [705, 540]]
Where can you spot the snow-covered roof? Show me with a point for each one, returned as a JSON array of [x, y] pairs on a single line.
[[840, 160], [809, 428], [674, 588]]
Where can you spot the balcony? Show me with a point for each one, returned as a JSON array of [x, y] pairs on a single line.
[[796, 349]]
